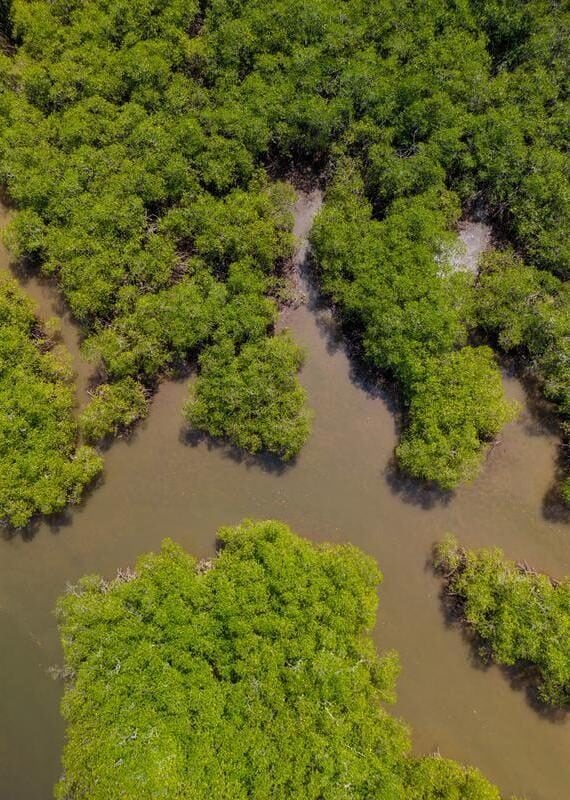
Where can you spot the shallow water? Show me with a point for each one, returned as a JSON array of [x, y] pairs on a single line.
[[341, 488]]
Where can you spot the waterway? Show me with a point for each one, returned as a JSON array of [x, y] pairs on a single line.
[[342, 488]]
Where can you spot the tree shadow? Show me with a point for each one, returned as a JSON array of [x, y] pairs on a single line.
[[26, 271], [554, 509], [413, 491], [266, 462], [540, 418]]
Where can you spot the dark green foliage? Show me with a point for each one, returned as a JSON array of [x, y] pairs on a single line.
[[42, 468], [162, 231], [520, 144], [136, 141], [251, 397], [113, 408], [522, 616], [250, 676]]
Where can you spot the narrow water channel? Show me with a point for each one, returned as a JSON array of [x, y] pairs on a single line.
[[341, 488]]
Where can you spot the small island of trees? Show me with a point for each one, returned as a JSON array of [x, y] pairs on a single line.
[[249, 676]]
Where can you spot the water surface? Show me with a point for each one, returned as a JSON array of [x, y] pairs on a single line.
[[341, 488]]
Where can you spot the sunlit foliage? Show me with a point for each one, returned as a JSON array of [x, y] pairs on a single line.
[[457, 406], [250, 676], [113, 408], [137, 142], [522, 617], [251, 397], [42, 468]]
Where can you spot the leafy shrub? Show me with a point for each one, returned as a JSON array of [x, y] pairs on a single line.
[[522, 616], [113, 408], [252, 397], [459, 404]]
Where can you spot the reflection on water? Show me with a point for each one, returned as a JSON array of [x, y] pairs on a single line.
[[161, 482]]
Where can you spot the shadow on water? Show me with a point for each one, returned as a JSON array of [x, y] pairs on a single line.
[[539, 418], [410, 490], [266, 462], [413, 491], [554, 509], [25, 273]]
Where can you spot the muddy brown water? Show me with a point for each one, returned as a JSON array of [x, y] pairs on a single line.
[[341, 489]]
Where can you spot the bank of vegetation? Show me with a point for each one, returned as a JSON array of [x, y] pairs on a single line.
[[42, 465], [521, 617], [136, 144], [253, 675]]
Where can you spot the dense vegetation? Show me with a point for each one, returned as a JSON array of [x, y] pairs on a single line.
[[164, 235], [250, 676], [527, 311], [522, 617], [136, 145], [412, 310], [42, 468]]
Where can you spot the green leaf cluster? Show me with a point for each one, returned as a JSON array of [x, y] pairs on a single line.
[[253, 675], [42, 466], [459, 404], [523, 617], [113, 408], [252, 398]]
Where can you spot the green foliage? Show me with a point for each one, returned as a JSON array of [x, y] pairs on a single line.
[[42, 468], [459, 404], [529, 309], [153, 330], [392, 283], [161, 230], [522, 616], [113, 408], [250, 676], [136, 141], [435, 778], [251, 397], [509, 298]]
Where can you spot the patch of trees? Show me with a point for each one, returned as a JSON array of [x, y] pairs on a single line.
[[165, 236], [521, 616], [42, 465], [413, 314], [136, 144], [253, 675], [527, 312]]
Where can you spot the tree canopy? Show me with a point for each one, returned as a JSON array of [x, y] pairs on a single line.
[[42, 465], [139, 144], [253, 675]]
